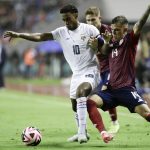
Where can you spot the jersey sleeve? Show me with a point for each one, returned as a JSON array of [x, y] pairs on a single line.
[[56, 34], [134, 38]]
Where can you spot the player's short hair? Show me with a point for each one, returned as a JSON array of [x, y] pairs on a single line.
[[120, 19], [69, 8], [93, 11]]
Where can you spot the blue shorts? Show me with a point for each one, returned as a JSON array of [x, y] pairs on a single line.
[[104, 79], [126, 96]]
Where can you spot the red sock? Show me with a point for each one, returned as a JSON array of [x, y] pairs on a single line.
[[95, 115], [148, 117], [113, 114]]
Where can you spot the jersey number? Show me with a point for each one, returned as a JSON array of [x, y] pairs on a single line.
[[76, 49], [114, 53], [136, 96]]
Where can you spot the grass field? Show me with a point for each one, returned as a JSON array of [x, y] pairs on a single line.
[[34, 81], [53, 116]]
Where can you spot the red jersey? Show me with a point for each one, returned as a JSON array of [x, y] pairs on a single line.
[[121, 61], [102, 59]]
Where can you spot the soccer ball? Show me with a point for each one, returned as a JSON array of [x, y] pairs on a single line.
[[31, 136]]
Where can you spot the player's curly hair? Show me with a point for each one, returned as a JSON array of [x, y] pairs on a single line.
[[120, 19], [68, 8]]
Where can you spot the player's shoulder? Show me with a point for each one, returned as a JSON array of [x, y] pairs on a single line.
[[61, 28], [132, 37], [87, 25], [89, 28], [129, 35]]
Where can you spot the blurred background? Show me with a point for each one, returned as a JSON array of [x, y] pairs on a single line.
[[30, 60]]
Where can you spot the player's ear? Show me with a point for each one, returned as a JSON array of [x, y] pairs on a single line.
[[100, 18], [76, 15]]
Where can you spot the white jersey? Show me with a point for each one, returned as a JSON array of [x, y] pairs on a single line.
[[75, 45]]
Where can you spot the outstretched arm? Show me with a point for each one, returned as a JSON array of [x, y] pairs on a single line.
[[36, 37], [139, 25]]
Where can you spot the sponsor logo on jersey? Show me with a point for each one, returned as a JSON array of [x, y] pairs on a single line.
[[89, 76]]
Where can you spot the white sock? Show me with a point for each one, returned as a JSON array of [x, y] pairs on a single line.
[[82, 114], [115, 122], [76, 119]]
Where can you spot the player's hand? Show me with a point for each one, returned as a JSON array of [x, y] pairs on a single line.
[[93, 43], [11, 34], [107, 36]]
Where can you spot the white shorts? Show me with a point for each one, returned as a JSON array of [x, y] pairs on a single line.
[[91, 75]]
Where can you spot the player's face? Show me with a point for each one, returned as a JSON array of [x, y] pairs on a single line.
[[93, 20], [70, 20], [118, 31]]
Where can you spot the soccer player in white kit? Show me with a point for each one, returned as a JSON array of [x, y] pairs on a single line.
[[73, 38]]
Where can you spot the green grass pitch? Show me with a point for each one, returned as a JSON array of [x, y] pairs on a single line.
[[54, 117]]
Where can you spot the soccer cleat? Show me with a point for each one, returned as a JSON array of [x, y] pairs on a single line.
[[74, 138], [107, 137], [82, 138], [114, 128]]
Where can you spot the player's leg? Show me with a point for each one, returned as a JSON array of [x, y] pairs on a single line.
[[93, 102], [82, 92], [74, 138], [114, 127], [144, 111], [89, 79], [133, 101], [81, 85]]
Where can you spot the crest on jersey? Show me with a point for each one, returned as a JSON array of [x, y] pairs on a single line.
[[83, 37]]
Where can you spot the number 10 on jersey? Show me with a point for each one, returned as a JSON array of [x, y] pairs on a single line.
[[76, 49]]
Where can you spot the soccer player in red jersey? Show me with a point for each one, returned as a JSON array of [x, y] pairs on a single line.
[[93, 17], [121, 47]]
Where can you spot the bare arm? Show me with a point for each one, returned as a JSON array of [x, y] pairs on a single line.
[[36, 37], [105, 48], [139, 25], [93, 43]]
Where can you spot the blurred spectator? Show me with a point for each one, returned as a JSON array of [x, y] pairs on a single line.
[[2, 63], [14, 60], [29, 61], [35, 15], [41, 65], [143, 62]]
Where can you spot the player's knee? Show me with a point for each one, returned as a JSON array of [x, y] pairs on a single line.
[[148, 117], [83, 91]]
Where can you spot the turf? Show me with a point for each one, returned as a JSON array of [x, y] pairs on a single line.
[[53, 116], [33, 81]]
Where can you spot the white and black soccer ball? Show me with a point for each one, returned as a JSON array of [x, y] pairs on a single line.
[[31, 136]]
